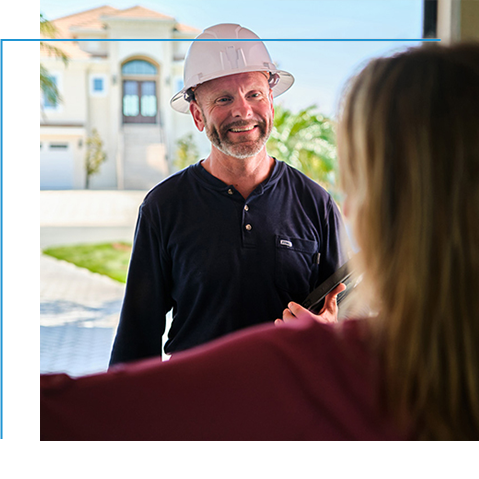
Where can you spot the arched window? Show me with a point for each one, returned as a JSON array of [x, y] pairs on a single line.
[[139, 92], [138, 67]]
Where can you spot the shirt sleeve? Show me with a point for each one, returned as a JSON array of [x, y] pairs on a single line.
[[147, 297], [299, 381], [334, 248]]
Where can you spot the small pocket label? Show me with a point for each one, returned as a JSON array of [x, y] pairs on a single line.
[[286, 243]]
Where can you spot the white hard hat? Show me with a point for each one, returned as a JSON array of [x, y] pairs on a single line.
[[241, 51]]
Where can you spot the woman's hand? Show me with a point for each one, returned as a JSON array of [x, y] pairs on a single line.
[[329, 313]]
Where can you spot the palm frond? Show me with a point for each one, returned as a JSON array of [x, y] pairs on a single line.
[[307, 141]]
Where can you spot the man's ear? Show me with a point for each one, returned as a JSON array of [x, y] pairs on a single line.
[[271, 101], [197, 115]]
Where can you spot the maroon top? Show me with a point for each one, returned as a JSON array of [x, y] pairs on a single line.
[[297, 381]]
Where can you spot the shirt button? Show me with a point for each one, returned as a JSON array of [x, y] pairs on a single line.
[[248, 227], [246, 207], [230, 191]]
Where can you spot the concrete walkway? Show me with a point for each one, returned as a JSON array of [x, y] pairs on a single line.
[[79, 310], [78, 318]]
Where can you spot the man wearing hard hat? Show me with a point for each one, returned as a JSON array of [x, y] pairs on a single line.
[[228, 242]]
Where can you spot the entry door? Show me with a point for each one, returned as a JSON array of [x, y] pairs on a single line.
[[139, 101]]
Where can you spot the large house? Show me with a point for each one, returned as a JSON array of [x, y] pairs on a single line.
[[119, 87]]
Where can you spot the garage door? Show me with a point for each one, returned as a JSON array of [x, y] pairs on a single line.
[[56, 166]]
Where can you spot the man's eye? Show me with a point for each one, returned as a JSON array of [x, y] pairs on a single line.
[[223, 100]]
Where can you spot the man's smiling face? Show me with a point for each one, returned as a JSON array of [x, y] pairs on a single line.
[[236, 112]]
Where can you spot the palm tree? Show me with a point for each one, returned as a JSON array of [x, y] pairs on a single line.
[[186, 151], [47, 85], [307, 141]]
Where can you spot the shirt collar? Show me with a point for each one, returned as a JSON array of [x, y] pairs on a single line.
[[214, 183]]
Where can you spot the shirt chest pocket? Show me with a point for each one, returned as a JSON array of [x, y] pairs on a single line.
[[296, 262]]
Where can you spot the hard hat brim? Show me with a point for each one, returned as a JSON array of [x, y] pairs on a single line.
[[285, 82]]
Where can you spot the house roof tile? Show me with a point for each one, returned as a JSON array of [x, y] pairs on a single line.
[[181, 27], [94, 19], [88, 19], [139, 12], [71, 49]]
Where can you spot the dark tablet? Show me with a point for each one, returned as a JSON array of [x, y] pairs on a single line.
[[315, 300]]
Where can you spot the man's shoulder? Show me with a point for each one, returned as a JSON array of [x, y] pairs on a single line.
[[171, 187], [300, 180]]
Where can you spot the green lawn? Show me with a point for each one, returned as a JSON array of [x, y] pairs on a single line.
[[110, 259]]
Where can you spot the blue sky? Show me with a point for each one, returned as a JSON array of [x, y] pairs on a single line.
[[320, 68]]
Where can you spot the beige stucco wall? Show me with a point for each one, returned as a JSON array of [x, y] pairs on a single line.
[[81, 109], [98, 117], [72, 86], [105, 112], [75, 137], [458, 20], [470, 20]]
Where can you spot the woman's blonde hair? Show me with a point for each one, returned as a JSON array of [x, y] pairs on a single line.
[[408, 145]]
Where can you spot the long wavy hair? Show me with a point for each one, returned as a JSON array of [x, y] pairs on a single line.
[[408, 143]]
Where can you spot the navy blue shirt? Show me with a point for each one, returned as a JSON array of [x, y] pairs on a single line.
[[221, 262]]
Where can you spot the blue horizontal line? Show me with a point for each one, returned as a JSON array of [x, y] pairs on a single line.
[[223, 39]]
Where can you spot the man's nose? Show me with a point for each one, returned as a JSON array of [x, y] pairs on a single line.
[[241, 108]]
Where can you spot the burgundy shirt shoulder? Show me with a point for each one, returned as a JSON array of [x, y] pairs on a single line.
[[297, 381]]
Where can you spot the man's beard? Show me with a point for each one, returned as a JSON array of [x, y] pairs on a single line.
[[240, 149]]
